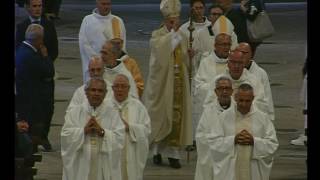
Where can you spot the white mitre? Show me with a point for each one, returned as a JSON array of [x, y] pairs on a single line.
[[223, 25], [170, 8]]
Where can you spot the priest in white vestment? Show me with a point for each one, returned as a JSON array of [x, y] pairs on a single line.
[[243, 143], [212, 64], [206, 37], [167, 94], [96, 69], [133, 67], [95, 29], [260, 73], [210, 116], [238, 74], [199, 22], [92, 138], [110, 52], [137, 122]]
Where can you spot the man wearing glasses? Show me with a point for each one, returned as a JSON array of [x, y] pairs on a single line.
[[205, 39], [258, 72], [211, 65]]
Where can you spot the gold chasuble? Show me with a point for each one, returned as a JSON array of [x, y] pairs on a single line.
[[167, 94], [116, 28], [173, 139]]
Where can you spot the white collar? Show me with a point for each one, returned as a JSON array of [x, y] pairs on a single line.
[[95, 112], [252, 110], [122, 58], [34, 19], [95, 12], [32, 47], [120, 105], [219, 60]]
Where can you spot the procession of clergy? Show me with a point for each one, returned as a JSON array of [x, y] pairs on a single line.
[[226, 106]]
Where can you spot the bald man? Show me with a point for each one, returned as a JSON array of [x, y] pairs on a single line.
[[239, 74], [258, 72], [96, 69], [110, 52]]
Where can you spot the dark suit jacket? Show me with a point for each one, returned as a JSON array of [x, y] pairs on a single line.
[[50, 35], [238, 19], [34, 85]]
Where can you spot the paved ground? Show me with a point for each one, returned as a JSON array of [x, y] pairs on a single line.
[[282, 56]]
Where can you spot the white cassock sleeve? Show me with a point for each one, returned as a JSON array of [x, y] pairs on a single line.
[[268, 94], [204, 169], [220, 143], [203, 78], [265, 146], [137, 145], [86, 51], [77, 98], [113, 140], [140, 130], [72, 142]]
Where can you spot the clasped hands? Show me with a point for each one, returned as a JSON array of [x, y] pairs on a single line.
[[92, 127], [244, 138]]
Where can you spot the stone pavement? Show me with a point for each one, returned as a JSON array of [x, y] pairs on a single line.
[[282, 56]]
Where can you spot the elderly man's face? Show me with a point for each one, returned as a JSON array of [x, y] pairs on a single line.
[[96, 93], [222, 45], [224, 92], [236, 65], [172, 23], [104, 7], [244, 100], [107, 55], [120, 88], [96, 68], [215, 13], [35, 8], [247, 54]]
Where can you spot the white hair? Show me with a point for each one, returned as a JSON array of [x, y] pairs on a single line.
[[88, 83], [33, 32], [220, 78]]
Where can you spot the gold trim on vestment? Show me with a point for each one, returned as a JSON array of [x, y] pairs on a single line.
[[116, 28], [173, 139]]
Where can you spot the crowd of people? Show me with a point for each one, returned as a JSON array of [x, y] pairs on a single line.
[[205, 92]]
